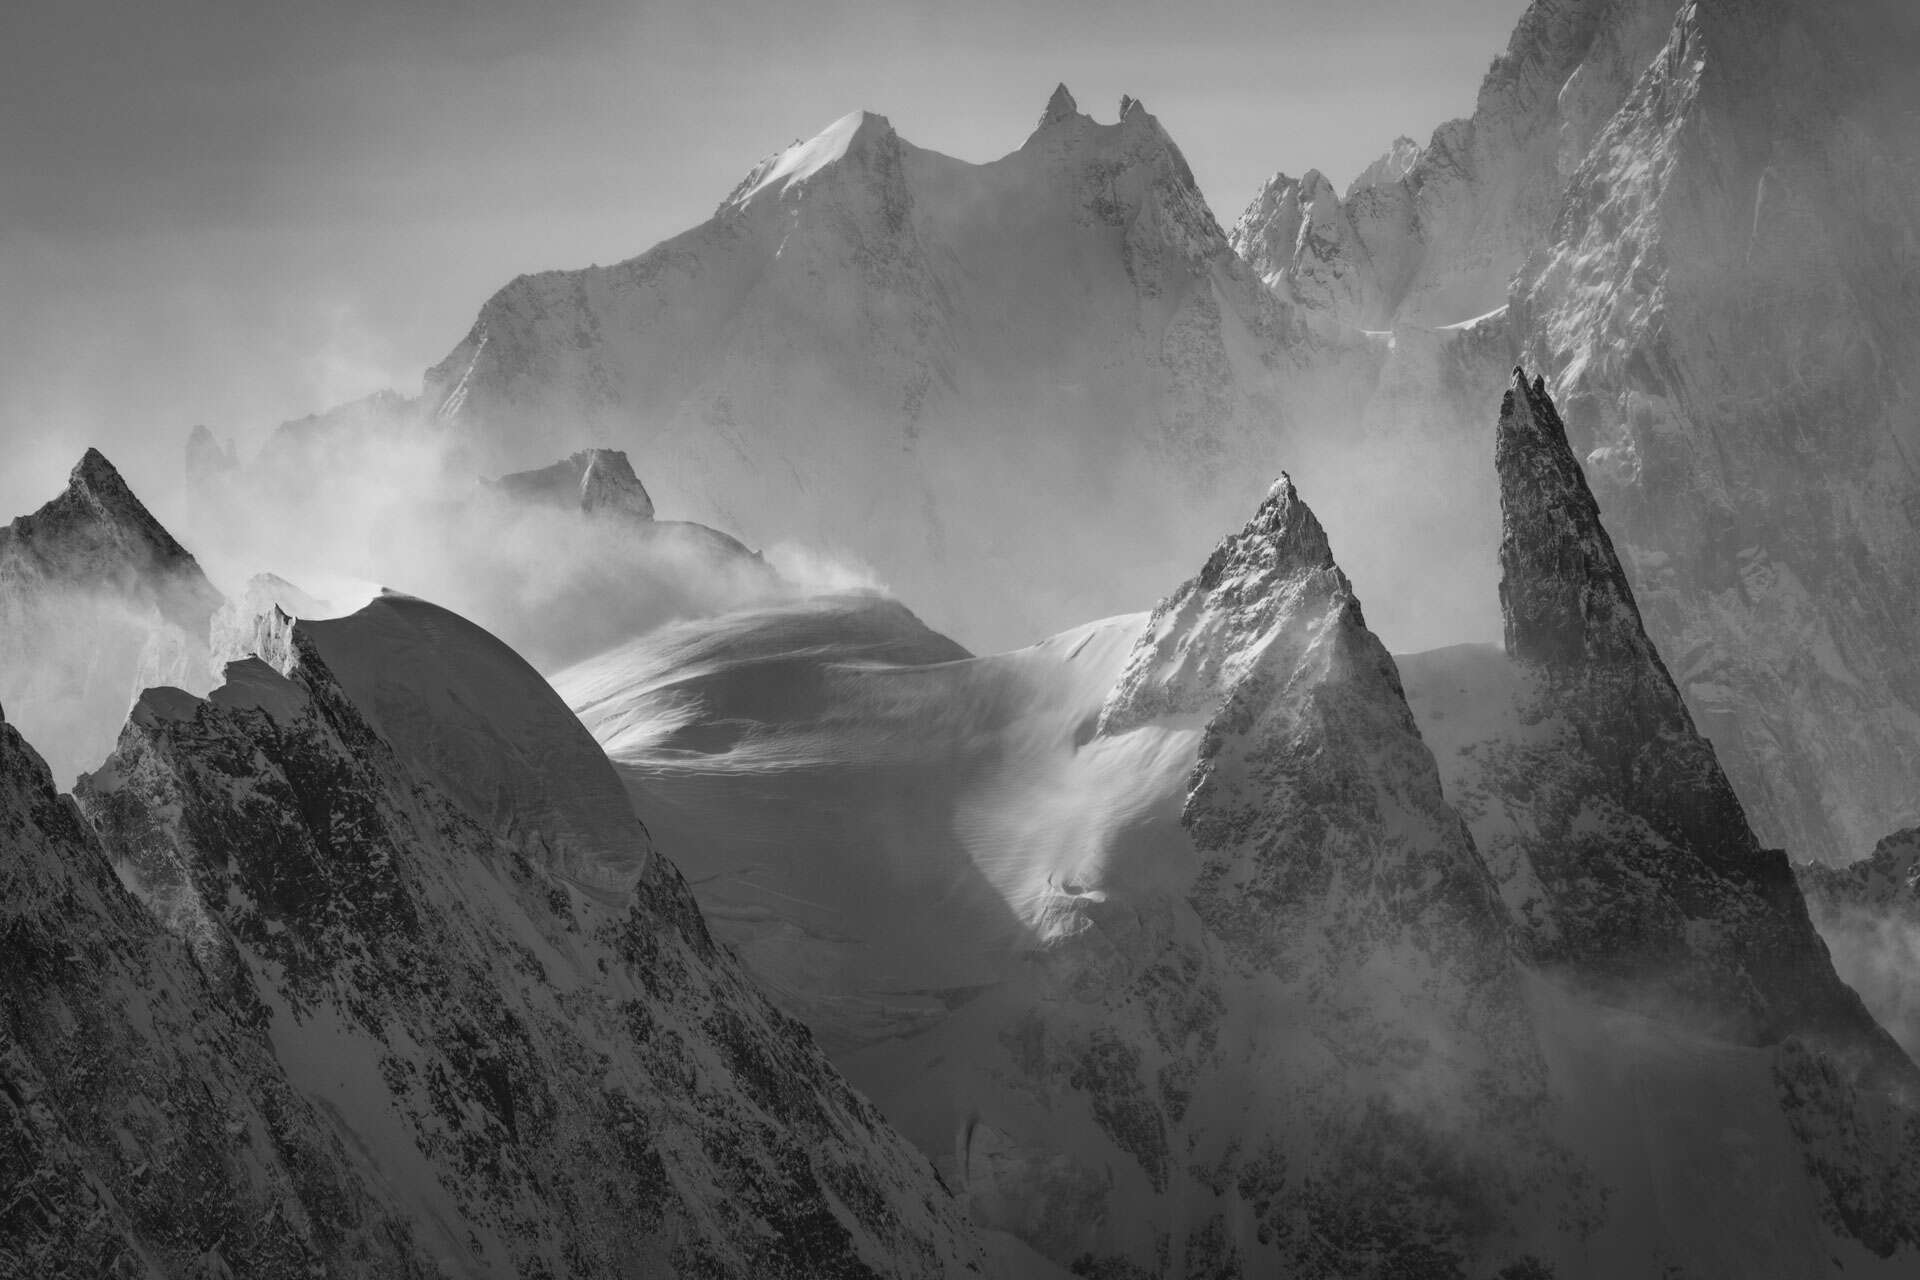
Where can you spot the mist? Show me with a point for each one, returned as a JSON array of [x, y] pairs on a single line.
[[1877, 952], [370, 495]]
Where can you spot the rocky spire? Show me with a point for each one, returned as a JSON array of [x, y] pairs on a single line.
[[1060, 106], [1205, 637], [1653, 876], [1569, 613], [1309, 740], [1325, 854], [98, 508], [1565, 599]]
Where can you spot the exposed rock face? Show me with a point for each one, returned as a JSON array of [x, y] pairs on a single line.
[[534, 1080], [145, 1125], [1670, 889], [1436, 233], [1699, 220], [1869, 915], [1331, 867], [593, 480], [1726, 310], [97, 601]]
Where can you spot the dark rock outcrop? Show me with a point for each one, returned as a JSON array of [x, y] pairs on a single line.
[[536, 1080], [1653, 878]]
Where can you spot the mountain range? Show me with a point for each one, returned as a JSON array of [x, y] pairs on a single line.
[[971, 862]]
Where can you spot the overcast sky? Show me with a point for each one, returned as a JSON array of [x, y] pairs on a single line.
[[238, 212]]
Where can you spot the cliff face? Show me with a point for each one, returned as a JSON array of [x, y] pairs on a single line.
[[514, 1020], [148, 1127], [1869, 914], [1696, 221], [1726, 310], [1669, 887]]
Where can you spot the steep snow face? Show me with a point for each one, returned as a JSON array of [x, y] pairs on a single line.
[[149, 1128], [938, 367], [469, 714], [97, 601], [877, 823], [1300, 242], [778, 174], [543, 1081], [1726, 311], [1869, 914]]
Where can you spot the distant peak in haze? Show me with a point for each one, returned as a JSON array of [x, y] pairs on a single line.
[[97, 510], [1396, 164], [591, 480], [1060, 106]]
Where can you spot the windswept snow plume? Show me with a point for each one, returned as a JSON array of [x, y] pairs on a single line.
[[562, 561]]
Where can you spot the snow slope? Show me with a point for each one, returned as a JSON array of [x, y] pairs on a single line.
[[932, 367], [377, 868], [1226, 986]]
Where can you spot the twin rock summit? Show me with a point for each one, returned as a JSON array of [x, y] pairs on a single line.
[[649, 905]]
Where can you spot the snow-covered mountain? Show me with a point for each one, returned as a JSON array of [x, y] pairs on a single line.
[[1698, 220], [150, 1128], [403, 988], [1023, 392], [1165, 939], [97, 602]]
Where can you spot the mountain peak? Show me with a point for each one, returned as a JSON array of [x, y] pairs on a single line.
[[97, 520], [1210, 635], [592, 480], [852, 135], [1563, 594], [1060, 106], [97, 482]]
